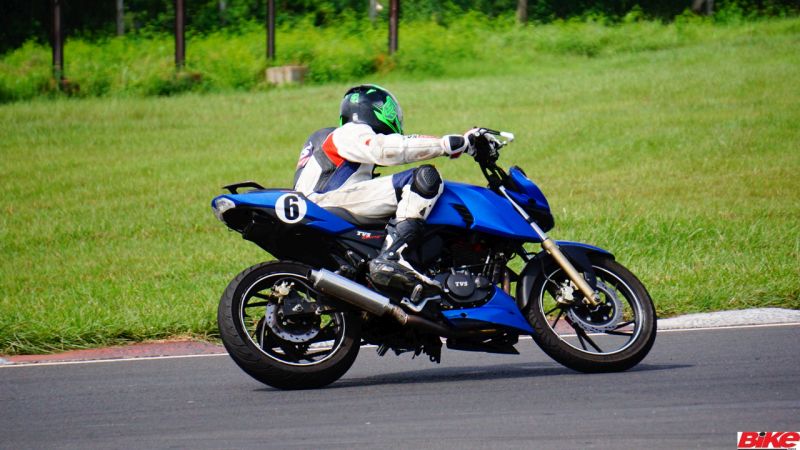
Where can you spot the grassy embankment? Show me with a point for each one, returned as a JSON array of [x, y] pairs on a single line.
[[142, 65], [682, 159]]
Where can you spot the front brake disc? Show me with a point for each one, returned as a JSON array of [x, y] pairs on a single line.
[[602, 318]]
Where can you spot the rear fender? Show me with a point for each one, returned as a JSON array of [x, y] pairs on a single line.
[[577, 253]]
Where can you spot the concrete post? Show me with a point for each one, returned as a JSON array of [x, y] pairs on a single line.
[[522, 11], [120, 17]]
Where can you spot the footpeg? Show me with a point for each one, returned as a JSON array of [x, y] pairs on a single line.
[[416, 294]]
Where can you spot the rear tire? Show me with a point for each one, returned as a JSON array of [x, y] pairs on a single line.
[[298, 352], [613, 338]]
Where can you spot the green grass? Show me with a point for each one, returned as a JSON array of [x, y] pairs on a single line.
[[683, 161]]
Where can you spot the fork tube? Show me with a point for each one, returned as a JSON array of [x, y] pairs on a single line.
[[588, 293], [552, 249]]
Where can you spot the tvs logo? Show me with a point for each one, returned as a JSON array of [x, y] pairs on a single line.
[[365, 235], [768, 439]]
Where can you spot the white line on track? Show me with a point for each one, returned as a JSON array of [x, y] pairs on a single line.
[[729, 327], [8, 364], [96, 361]]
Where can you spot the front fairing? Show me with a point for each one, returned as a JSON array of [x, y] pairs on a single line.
[[526, 194]]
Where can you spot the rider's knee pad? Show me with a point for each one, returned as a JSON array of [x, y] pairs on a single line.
[[427, 182]]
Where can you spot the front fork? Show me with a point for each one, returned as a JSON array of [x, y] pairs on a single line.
[[591, 297]]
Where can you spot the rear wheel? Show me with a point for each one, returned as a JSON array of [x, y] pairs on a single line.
[[614, 336], [276, 328]]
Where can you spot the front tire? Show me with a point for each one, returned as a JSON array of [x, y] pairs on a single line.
[[275, 344], [611, 338]]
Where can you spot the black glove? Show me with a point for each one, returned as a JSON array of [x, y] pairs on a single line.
[[454, 144]]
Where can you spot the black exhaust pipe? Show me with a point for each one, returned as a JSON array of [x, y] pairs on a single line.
[[348, 290]]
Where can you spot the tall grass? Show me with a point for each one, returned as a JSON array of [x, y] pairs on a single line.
[[222, 62], [682, 161]]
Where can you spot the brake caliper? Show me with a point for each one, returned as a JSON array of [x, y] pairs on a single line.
[[565, 294], [291, 317]]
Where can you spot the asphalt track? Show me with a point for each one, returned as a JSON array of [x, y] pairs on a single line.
[[695, 390]]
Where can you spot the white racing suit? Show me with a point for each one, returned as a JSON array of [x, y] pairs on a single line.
[[336, 169]]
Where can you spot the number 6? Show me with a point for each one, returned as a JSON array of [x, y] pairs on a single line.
[[290, 208]]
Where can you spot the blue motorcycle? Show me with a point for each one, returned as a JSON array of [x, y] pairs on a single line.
[[299, 322]]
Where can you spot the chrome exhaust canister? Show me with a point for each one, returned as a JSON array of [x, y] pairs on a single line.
[[348, 290], [357, 295]]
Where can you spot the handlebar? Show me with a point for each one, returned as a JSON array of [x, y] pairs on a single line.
[[490, 134], [487, 147]]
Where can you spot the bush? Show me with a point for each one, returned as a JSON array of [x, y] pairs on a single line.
[[25, 73]]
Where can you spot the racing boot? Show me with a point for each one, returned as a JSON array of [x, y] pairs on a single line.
[[390, 268]]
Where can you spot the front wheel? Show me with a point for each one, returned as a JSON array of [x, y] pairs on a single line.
[[278, 329], [612, 337]]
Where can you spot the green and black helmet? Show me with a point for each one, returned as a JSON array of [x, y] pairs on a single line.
[[374, 106]]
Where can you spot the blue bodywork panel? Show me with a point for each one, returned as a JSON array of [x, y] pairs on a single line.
[[491, 213], [500, 310], [528, 193], [584, 246], [315, 217]]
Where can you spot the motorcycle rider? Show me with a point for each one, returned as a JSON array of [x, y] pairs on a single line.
[[336, 169]]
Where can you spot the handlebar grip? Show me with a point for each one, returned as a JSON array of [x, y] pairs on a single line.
[[507, 135]]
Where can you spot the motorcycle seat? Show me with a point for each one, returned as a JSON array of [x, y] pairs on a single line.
[[361, 221]]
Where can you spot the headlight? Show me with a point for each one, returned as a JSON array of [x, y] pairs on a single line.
[[221, 205]]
